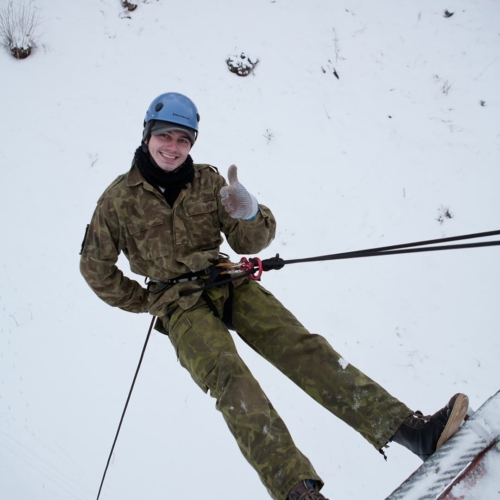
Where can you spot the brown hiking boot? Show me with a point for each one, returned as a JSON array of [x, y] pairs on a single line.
[[305, 490], [423, 435]]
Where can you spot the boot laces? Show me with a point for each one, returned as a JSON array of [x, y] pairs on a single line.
[[417, 419]]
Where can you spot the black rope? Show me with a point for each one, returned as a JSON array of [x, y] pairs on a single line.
[[403, 248], [126, 405]]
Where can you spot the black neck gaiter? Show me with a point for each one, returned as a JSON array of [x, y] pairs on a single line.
[[171, 182]]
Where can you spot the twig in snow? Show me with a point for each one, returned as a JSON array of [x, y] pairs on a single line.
[[268, 135], [480, 74], [359, 31], [445, 214], [446, 87], [93, 159], [336, 46]]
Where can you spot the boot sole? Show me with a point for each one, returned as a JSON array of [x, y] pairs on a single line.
[[457, 416]]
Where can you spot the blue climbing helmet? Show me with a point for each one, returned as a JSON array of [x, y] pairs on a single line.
[[172, 108]]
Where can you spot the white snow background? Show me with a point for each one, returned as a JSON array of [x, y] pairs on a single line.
[[374, 158]]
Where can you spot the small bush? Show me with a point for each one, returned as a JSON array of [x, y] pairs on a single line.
[[241, 64], [18, 26], [129, 5]]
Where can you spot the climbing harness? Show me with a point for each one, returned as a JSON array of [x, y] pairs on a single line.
[[217, 274], [183, 278]]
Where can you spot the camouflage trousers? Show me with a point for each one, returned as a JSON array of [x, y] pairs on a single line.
[[206, 349]]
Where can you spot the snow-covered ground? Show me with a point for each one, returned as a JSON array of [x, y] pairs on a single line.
[[409, 132]]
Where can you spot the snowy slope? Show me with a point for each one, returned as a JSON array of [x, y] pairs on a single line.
[[373, 158]]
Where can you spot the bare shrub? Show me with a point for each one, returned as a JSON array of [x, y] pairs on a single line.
[[18, 25], [129, 5]]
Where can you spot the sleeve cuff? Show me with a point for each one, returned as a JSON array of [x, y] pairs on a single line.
[[256, 213]]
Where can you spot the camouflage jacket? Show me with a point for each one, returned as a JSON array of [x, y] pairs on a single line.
[[163, 242]]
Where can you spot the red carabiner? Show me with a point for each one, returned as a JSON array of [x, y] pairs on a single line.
[[249, 265]]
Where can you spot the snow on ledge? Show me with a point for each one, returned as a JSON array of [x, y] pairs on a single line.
[[444, 468]]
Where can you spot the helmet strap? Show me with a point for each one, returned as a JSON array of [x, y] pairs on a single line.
[[146, 135]]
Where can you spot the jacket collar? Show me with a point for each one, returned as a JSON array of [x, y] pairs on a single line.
[[134, 178]]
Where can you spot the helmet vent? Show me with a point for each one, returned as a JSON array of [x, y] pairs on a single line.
[[159, 106]]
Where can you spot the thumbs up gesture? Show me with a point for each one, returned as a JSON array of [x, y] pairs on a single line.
[[237, 201]]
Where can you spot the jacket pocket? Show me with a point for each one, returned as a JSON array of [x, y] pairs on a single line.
[[145, 223], [148, 236], [202, 224], [202, 207]]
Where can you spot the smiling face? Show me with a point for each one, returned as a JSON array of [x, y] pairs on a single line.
[[169, 149]]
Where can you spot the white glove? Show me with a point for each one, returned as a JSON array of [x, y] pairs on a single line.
[[237, 201]]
